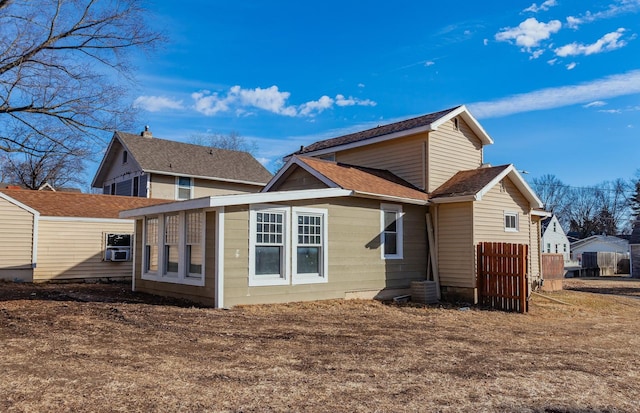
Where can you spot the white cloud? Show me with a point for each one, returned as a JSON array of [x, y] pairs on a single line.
[[529, 33], [618, 7], [552, 61], [536, 54], [605, 88], [612, 111], [351, 101], [534, 8], [209, 103], [485, 41], [316, 106], [606, 43], [271, 99], [156, 103], [360, 84], [429, 63], [595, 104], [571, 66]]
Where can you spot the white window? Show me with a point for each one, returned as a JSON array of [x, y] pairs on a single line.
[[511, 221], [171, 244], [174, 248], [554, 227], [268, 243], [194, 248], [184, 188], [151, 245], [309, 257], [549, 247], [391, 231]]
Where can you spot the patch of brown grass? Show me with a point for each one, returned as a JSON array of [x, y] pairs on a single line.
[[101, 348]]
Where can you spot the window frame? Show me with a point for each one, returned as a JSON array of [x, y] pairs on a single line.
[[284, 277], [397, 208], [181, 276], [516, 216], [178, 187], [323, 261], [125, 157]]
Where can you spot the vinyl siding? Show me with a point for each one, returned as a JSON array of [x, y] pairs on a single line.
[[534, 245], [298, 179], [403, 157], [164, 187], [70, 250], [451, 151], [202, 294], [489, 218], [16, 242], [456, 254], [354, 255]]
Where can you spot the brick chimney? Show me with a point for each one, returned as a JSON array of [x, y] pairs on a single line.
[[146, 133]]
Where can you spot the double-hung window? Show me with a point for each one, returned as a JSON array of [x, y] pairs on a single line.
[[171, 243], [184, 188], [269, 242], [391, 231], [174, 248], [151, 245], [309, 258], [193, 244]]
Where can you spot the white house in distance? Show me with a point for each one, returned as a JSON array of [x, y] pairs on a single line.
[[554, 240], [599, 243]]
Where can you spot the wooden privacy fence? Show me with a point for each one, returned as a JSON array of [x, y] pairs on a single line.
[[502, 276], [552, 266]]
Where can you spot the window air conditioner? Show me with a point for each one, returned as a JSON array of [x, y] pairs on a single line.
[[119, 255]]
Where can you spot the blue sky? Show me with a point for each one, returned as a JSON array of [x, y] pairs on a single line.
[[556, 83]]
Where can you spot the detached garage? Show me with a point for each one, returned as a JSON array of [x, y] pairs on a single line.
[[64, 236]]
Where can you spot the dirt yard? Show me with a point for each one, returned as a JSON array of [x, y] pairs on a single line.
[[100, 348]]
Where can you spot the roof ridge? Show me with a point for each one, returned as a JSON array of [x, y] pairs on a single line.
[[133, 135]]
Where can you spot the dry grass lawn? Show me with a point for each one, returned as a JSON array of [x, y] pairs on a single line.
[[100, 348]]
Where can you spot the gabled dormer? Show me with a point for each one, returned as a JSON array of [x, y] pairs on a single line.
[[425, 151]]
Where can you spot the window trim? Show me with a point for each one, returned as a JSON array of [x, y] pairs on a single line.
[[284, 277], [191, 188], [517, 221], [323, 275], [161, 275], [397, 208], [125, 157]]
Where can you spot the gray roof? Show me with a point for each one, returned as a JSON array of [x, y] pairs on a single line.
[[375, 132], [177, 158]]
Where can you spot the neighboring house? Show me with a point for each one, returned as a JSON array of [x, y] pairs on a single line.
[[346, 217], [554, 240], [62, 235], [148, 167], [599, 243], [634, 249]]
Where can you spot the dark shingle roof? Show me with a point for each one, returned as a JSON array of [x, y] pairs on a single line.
[[173, 157], [73, 204], [366, 180], [467, 183], [375, 132]]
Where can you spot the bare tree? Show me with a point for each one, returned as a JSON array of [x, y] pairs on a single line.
[[66, 64], [552, 192], [58, 168], [233, 141]]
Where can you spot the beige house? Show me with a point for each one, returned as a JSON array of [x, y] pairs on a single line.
[[346, 217], [63, 236], [145, 166]]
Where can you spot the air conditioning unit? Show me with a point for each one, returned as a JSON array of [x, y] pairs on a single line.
[[119, 254]]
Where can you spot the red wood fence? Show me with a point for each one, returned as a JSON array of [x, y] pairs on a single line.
[[502, 276]]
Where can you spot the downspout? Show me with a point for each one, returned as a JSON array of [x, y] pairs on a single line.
[[219, 256], [133, 260]]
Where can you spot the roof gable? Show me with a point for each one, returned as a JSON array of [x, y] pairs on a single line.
[[174, 158], [363, 181], [73, 204], [472, 185], [424, 123]]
